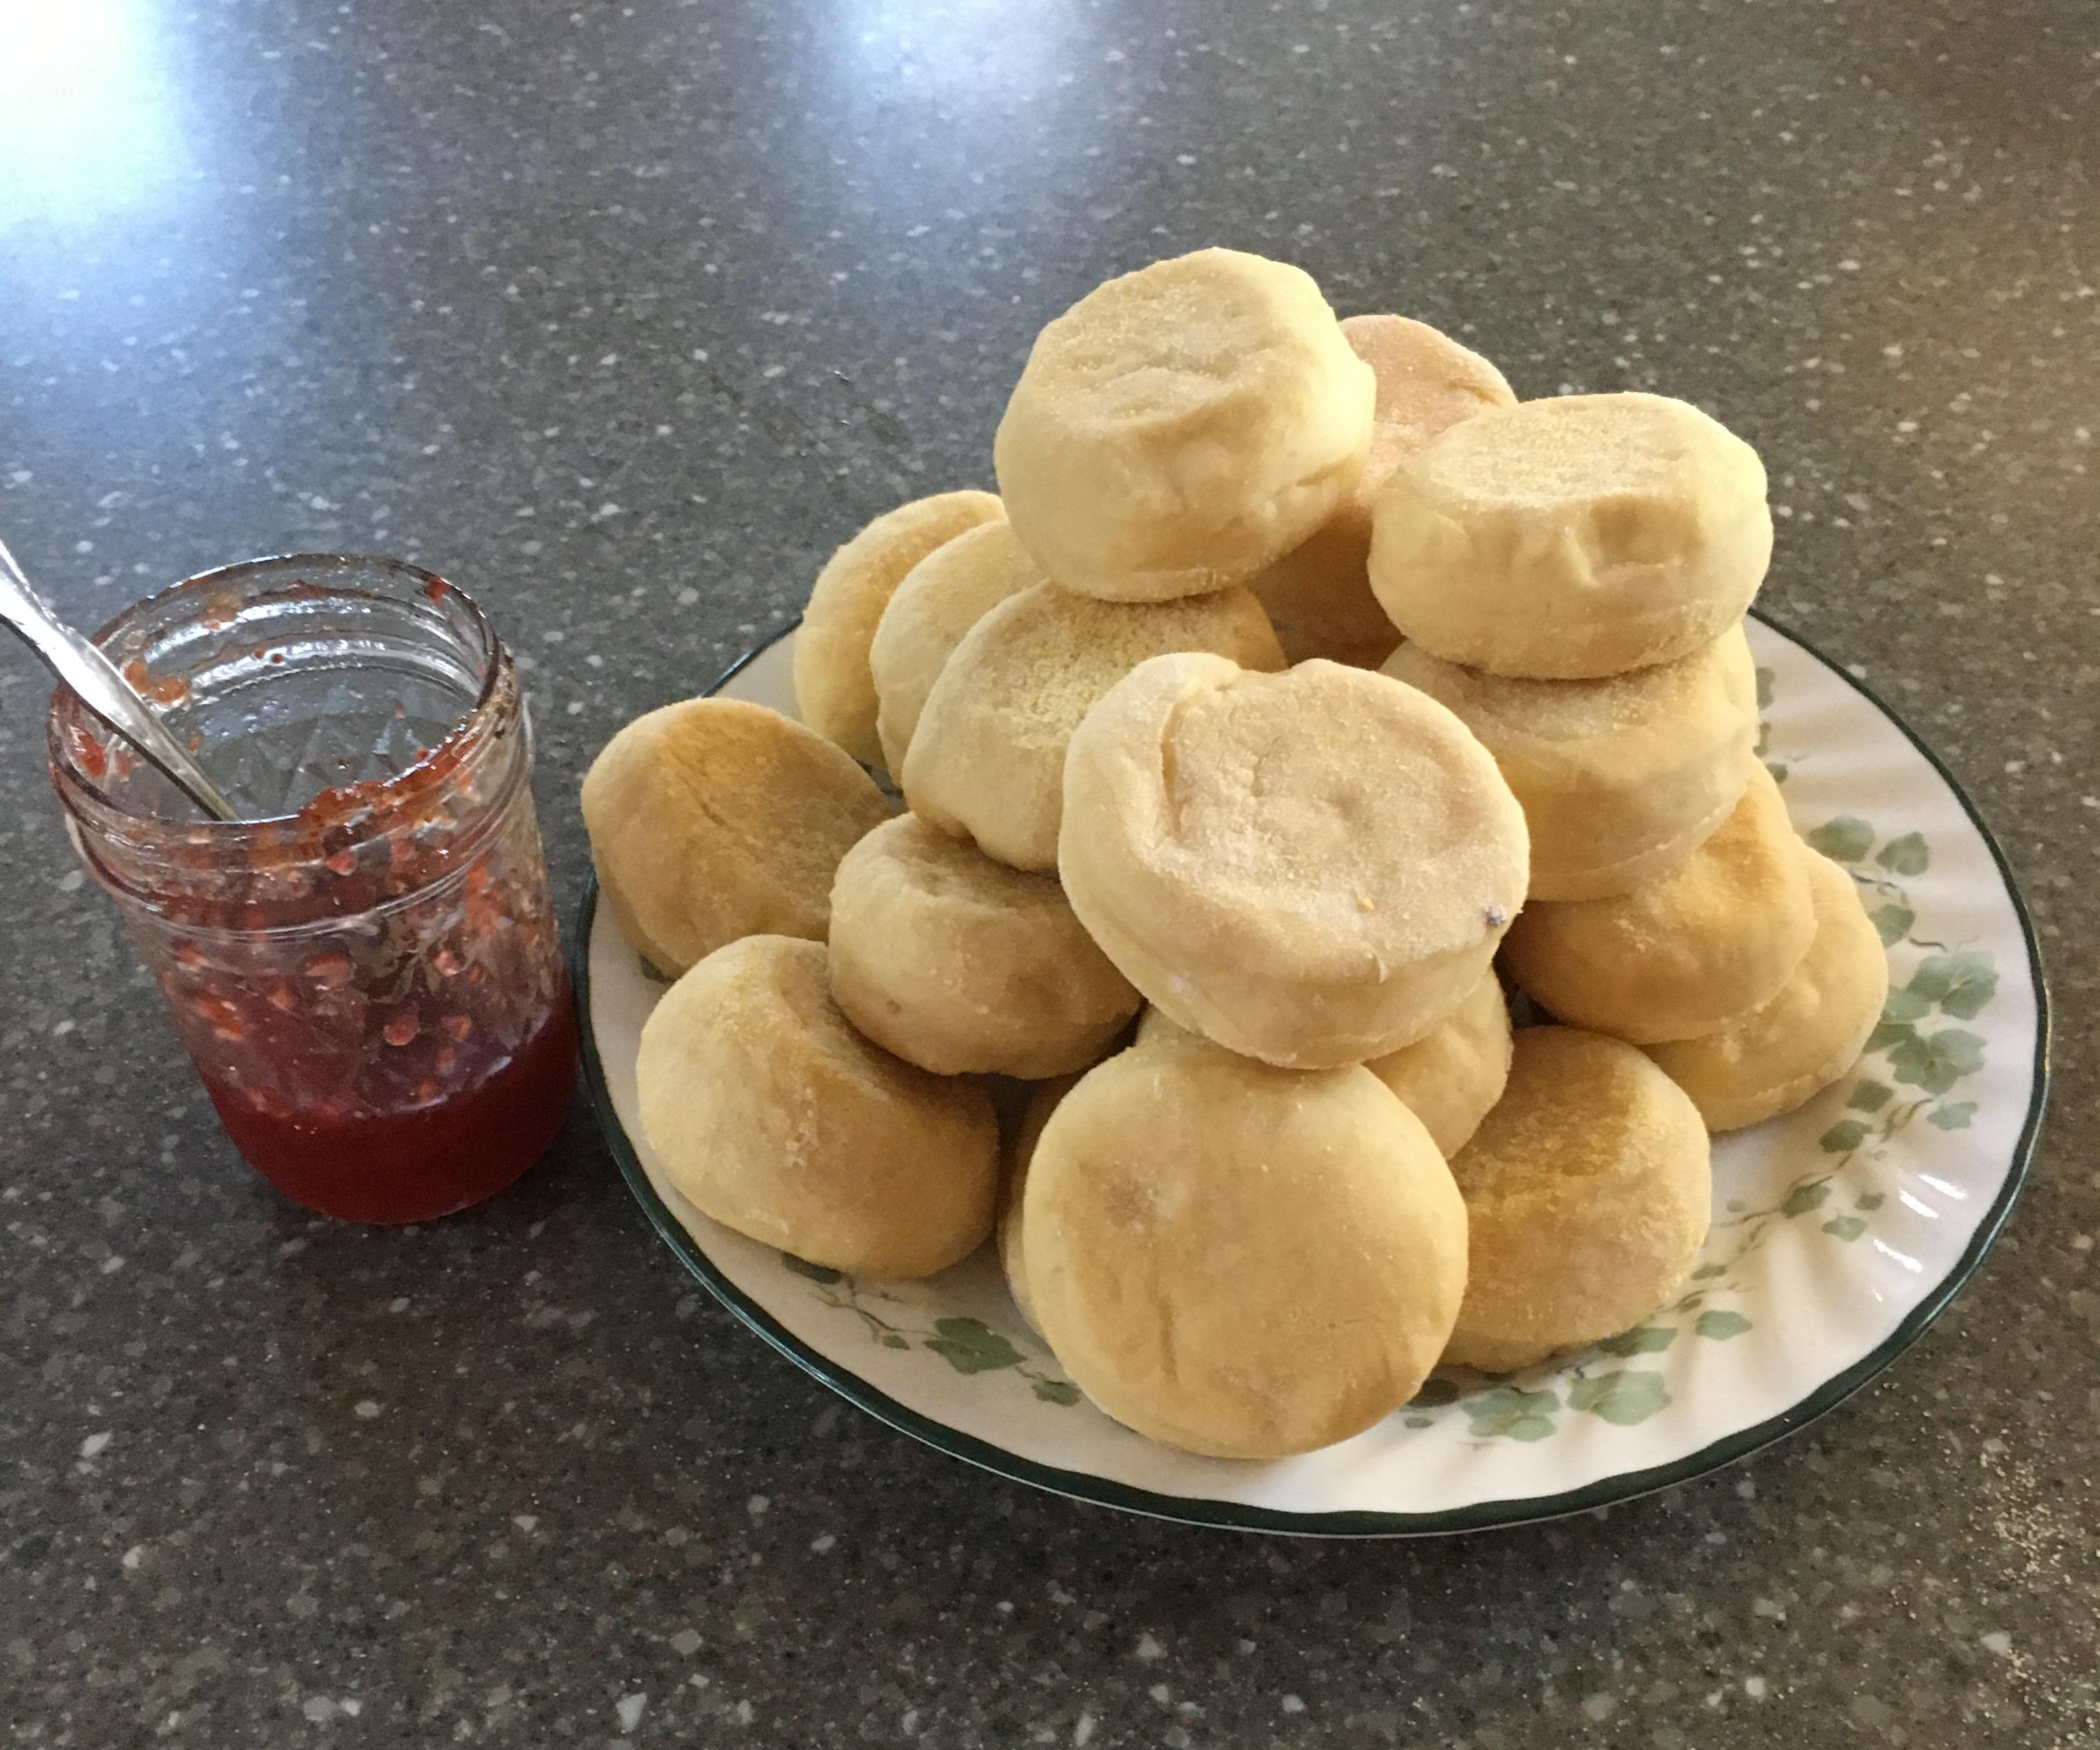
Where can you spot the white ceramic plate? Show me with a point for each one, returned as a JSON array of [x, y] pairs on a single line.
[[1840, 1231]]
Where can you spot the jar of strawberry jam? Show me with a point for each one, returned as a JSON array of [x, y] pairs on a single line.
[[365, 967]]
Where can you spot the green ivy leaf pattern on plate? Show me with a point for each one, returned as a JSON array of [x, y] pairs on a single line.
[[1624, 1397], [1935, 1061], [1870, 1096], [1953, 1118], [1845, 839], [1959, 983], [1907, 856], [1720, 1324], [1892, 923], [1643, 1339], [1503, 1411], [1846, 1226], [1803, 1198], [1843, 1137], [970, 1345], [1889, 1034]]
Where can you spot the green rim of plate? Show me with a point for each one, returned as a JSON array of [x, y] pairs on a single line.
[[1487, 1515]]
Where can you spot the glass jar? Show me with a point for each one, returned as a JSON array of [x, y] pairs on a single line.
[[365, 968]]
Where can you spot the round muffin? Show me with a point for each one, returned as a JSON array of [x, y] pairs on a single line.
[[1427, 383], [1013, 1188], [1570, 539], [1312, 868], [772, 1117], [1448, 1077], [1238, 1260], [1452, 1076], [1619, 777], [834, 690], [963, 966], [944, 594], [717, 818], [987, 759], [1179, 428], [1781, 1055], [1683, 953], [1588, 1192], [1318, 595]]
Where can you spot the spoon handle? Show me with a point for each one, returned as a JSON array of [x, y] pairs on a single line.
[[80, 665]]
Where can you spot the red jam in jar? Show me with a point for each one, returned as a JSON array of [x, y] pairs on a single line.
[[368, 974]]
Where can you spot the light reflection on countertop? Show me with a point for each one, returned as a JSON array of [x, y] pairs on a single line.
[[89, 125]]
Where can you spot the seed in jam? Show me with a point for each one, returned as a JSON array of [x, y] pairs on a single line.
[[163, 690], [403, 1029], [87, 753], [222, 1017]]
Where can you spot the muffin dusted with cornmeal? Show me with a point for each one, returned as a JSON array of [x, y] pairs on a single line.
[[1572, 538], [834, 690], [941, 598], [1319, 594], [771, 1115], [717, 818], [987, 759], [1588, 1190], [1452, 1076], [1312, 868], [1179, 428], [959, 964], [1781, 1056], [1013, 1188], [1620, 778], [1238, 1260], [1449, 1079], [1683, 955]]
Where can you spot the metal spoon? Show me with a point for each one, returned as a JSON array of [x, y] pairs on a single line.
[[102, 687]]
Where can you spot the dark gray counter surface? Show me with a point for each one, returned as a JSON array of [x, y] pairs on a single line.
[[623, 315]]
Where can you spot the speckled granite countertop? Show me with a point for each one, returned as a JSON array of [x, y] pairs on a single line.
[[624, 313]]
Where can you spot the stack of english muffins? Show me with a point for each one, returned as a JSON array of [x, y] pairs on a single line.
[[1296, 669], [1570, 576]]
